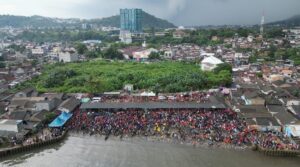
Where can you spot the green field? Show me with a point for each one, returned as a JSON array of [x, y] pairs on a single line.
[[101, 76]]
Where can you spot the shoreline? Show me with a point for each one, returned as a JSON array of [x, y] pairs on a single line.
[[163, 140], [148, 139]]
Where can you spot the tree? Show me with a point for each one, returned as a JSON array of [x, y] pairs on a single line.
[[2, 65], [154, 56], [253, 58], [243, 32], [259, 74], [34, 63], [92, 54], [274, 32], [49, 117], [113, 53], [81, 48], [223, 67], [17, 48]]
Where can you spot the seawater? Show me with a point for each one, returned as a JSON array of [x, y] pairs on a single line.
[[94, 151]]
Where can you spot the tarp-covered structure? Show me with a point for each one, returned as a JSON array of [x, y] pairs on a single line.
[[60, 120], [292, 130]]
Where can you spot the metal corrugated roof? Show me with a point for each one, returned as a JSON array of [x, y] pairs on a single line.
[[152, 105]]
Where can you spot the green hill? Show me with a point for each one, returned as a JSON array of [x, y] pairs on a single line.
[[290, 22], [47, 22], [23, 21], [148, 21]]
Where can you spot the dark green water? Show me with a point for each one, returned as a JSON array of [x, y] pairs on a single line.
[[94, 151]]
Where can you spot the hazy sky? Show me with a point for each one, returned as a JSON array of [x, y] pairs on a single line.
[[180, 12]]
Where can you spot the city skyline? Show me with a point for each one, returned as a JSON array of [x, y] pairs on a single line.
[[179, 12]]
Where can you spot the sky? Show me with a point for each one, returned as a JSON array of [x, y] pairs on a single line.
[[179, 12]]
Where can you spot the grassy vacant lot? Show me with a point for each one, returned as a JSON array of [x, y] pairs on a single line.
[[101, 76]]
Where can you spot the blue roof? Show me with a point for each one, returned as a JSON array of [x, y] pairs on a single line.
[[60, 120]]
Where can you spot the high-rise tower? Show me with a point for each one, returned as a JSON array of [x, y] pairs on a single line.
[[131, 24], [131, 20], [262, 23]]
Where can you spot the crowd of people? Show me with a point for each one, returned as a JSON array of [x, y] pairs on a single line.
[[273, 142], [184, 125], [190, 126]]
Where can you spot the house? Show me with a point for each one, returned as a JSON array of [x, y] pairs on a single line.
[[39, 116], [25, 93], [282, 94], [250, 38], [181, 51], [143, 54], [275, 77], [27, 126], [210, 63], [295, 110], [258, 117], [252, 98], [69, 105], [241, 59], [281, 115], [37, 51], [178, 34], [3, 107], [214, 38], [252, 111], [293, 102], [268, 124], [271, 100], [48, 104], [168, 54], [160, 34], [67, 57], [8, 128], [59, 96], [266, 90], [19, 72], [128, 87], [128, 51], [287, 73], [24, 103], [18, 115]]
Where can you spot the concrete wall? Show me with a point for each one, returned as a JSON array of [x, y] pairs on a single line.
[[278, 153]]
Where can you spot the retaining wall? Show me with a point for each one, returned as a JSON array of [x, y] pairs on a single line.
[[279, 153], [20, 149]]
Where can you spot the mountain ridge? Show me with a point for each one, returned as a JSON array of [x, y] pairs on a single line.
[[37, 21], [289, 22]]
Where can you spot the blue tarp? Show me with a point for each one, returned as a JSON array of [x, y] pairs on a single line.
[[60, 120], [288, 131]]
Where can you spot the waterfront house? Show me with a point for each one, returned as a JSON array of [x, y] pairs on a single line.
[[8, 128], [69, 105]]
